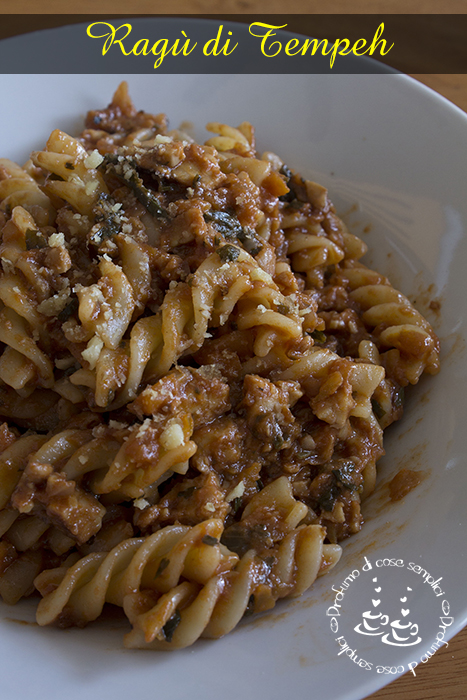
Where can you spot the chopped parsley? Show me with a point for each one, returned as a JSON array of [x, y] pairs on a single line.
[[230, 227], [34, 239], [209, 540], [318, 336], [345, 473], [69, 310], [162, 566], [171, 625], [228, 253], [125, 169], [378, 410]]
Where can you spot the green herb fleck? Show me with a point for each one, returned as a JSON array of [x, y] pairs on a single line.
[[236, 503], [209, 540], [250, 608], [269, 561], [162, 566], [229, 226], [126, 171], [69, 371], [68, 311], [146, 197], [171, 625], [34, 239], [250, 241], [295, 203], [398, 400], [328, 498], [106, 216], [345, 475], [277, 442], [228, 253], [318, 336], [187, 492], [378, 410]]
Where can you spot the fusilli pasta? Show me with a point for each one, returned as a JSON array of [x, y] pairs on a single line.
[[195, 374]]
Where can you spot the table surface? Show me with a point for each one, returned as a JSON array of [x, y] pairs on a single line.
[[234, 6], [445, 675]]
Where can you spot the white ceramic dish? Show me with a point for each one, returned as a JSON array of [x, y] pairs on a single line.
[[394, 157]]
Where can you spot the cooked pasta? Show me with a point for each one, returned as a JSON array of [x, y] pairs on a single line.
[[195, 374]]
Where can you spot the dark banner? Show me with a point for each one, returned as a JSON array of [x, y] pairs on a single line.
[[375, 43]]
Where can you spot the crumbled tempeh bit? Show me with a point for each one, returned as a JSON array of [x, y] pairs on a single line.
[[43, 492], [267, 409], [202, 392]]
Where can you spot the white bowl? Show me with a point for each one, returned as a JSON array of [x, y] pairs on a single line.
[[394, 157]]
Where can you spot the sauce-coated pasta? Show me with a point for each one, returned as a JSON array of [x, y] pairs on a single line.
[[195, 374]]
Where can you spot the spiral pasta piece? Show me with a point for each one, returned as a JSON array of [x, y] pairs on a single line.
[[356, 382], [308, 251], [396, 323], [80, 183], [18, 188], [239, 140], [132, 565], [216, 608], [189, 572], [247, 282]]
